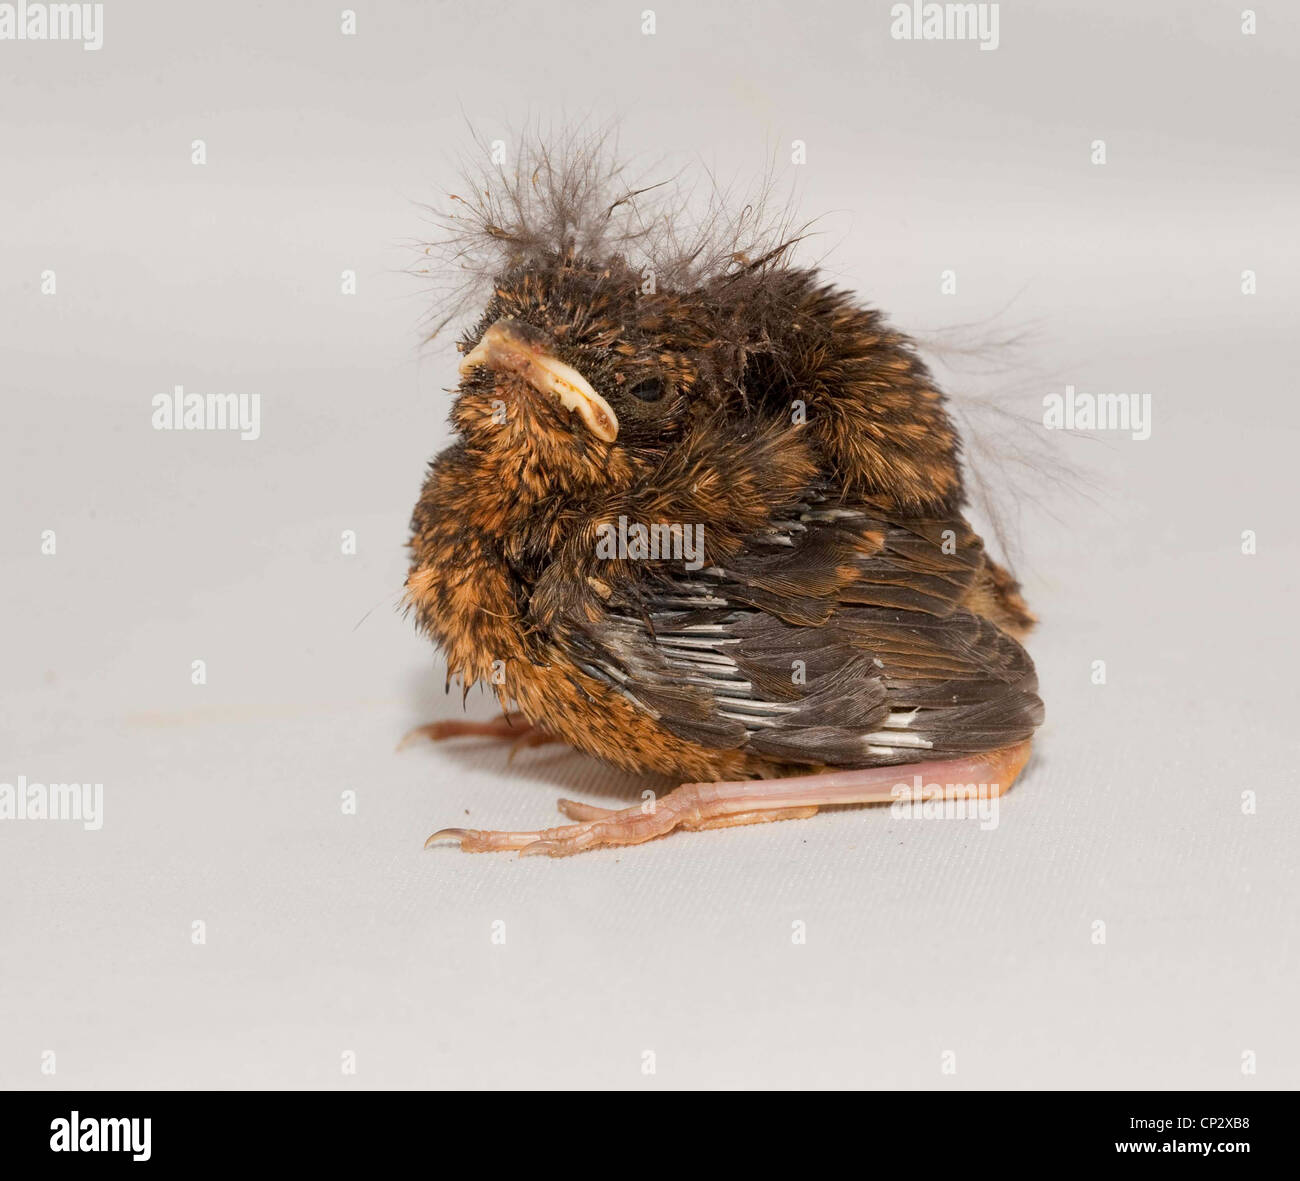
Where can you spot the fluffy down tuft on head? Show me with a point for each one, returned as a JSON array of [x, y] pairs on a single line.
[[574, 195]]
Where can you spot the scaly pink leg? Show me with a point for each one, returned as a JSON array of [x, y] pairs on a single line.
[[575, 811], [513, 725], [749, 801]]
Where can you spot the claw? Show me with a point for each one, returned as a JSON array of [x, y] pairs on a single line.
[[474, 840], [538, 848], [529, 738], [410, 736]]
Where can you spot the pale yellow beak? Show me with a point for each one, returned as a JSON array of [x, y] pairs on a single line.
[[511, 347]]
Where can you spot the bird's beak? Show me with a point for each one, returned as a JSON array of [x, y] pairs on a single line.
[[511, 347]]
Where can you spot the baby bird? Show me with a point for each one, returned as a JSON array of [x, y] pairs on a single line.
[[704, 516]]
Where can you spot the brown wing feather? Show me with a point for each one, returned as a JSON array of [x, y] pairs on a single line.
[[835, 637]]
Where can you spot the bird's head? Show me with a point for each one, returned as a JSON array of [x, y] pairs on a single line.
[[609, 335], [579, 375]]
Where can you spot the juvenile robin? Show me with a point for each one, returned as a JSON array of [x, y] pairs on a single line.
[[704, 516]]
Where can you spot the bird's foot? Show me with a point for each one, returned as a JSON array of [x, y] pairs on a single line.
[[513, 725], [751, 801]]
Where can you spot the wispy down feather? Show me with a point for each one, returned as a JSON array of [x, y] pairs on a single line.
[[576, 194]]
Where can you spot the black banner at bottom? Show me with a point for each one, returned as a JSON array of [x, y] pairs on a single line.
[[168, 1130]]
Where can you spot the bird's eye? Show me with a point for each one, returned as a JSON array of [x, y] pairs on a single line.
[[651, 389]]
